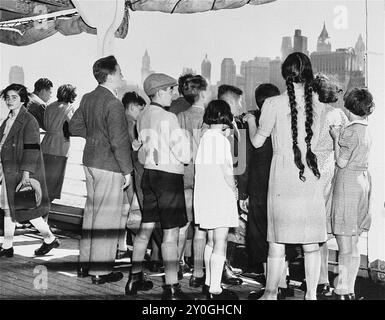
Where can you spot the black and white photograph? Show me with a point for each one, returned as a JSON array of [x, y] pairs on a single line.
[[211, 152]]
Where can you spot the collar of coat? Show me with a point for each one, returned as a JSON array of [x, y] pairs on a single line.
[[16, 125]]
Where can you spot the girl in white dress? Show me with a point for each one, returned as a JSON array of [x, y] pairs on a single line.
[[215, 200]]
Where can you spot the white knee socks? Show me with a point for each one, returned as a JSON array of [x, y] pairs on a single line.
[[207, 256], [216, 268], [44, 229], [275, 265], [353, 271], [9, 231]]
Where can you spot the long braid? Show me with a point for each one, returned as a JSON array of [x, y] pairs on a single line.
[[311, 158], [294, 129]]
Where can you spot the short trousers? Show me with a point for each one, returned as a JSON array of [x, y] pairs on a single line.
[[163, 199]]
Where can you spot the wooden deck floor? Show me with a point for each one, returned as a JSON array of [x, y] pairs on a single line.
[[54, 276]]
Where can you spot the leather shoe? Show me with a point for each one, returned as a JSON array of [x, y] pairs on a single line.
[[224, 295], [82, 272], [174, 292], [256, 294], [111, 277], [281, 295], [6, 252], [337, 296], [205, 289], [323, 291], [137, 281], [228, 277], [196, 282], [47, 247]]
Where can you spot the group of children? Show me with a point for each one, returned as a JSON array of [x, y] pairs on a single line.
[[331, 196]]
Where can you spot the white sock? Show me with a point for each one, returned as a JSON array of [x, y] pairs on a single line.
[[44, 229], [207, 257], [9, 231], [216, 268]]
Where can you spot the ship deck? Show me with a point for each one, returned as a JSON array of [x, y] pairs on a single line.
[[53, 277]]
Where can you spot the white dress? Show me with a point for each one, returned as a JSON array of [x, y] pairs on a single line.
[[215, 204]]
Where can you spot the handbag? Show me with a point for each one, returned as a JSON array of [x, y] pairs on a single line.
[[25, 199]]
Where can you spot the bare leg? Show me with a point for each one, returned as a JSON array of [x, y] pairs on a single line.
[[170, 255], [140, 246], [324, 273], [200, 236], [355, 264]]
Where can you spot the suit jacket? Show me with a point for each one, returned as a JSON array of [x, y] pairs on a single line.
[[36, 107], [101, 120], [21, 152]]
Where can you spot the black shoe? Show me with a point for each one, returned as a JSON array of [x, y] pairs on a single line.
[[137, 282], [6, 252], [196, 282], [228, 277], [174, 292], [340, 296], [45, 248], [324, 292], [205, 289], [224, 295], [82, 272], [111, 277], [255, 295], [282, 293]]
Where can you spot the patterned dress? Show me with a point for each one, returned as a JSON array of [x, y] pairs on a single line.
[[325, 153], [351, 194]]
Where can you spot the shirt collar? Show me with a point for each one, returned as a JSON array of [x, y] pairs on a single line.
[[363, 122], [109, 89], [156, 104], [197, 106], [13, 113], [37, 99]]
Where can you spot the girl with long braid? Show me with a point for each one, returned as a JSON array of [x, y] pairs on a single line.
[[296, 207]]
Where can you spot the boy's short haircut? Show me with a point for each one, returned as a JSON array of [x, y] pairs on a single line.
[[264, 91], [192, 87], [132, 98], [42, 84], [103, 67], [225, 89], [359, 101]]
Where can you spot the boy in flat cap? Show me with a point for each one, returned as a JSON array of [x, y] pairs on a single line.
[[165, 149]]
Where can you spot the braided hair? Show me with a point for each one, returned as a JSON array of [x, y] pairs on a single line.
[[297, 69]]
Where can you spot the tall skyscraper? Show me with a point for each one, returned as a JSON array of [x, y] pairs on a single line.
[[146, 66], [206, 69], [16, 75], [340, 64], [257, 71], [300, 42], [276, 74], [228, 72], [323, 43], [360, 51], [286, 47]]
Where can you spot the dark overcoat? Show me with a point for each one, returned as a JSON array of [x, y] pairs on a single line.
[[21, 152]]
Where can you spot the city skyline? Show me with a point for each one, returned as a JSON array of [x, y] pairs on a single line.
[[175, 41]]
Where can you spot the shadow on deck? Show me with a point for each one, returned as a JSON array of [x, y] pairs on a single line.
[[53, 277]]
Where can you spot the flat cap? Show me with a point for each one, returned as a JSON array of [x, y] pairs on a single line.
[[158, 81]]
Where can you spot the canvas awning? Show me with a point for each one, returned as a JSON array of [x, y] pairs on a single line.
[[23, 22]]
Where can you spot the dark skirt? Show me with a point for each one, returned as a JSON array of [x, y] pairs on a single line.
[[55, 167]]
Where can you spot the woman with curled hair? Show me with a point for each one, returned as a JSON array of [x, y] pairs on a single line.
[[21, 167], [56, 142], [329, 93], [296, 207]]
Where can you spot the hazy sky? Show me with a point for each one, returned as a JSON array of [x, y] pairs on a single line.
[[177, 41]]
